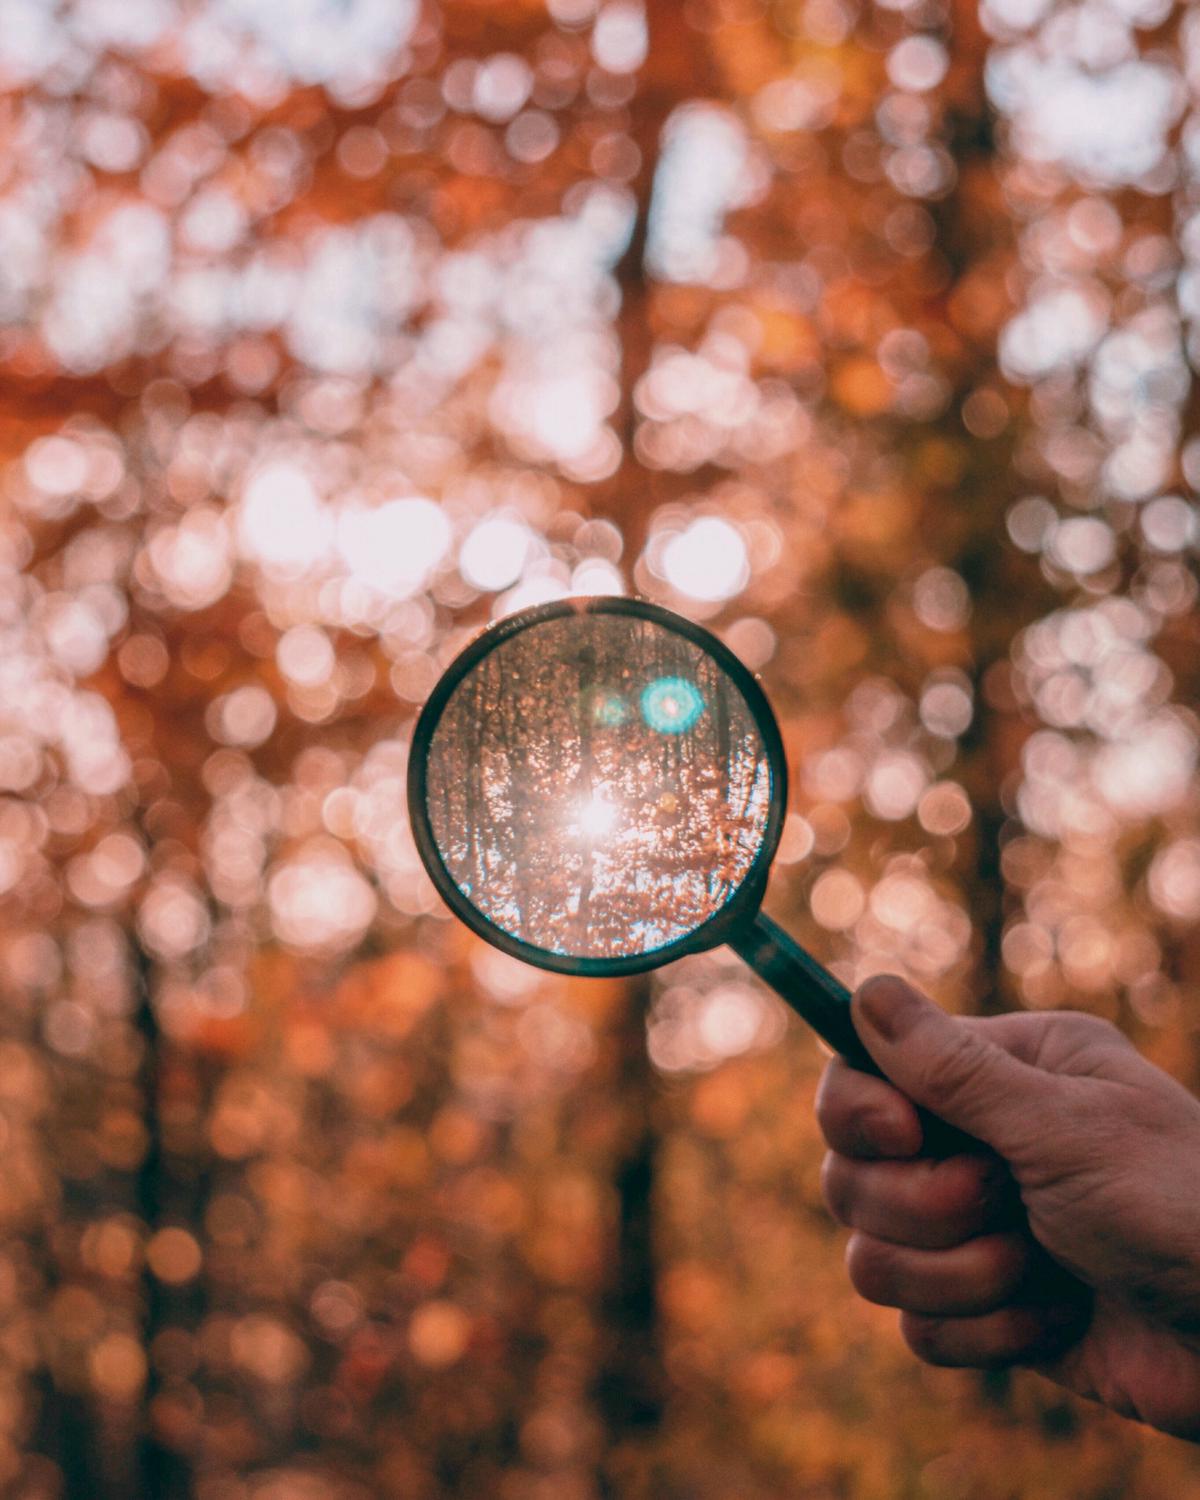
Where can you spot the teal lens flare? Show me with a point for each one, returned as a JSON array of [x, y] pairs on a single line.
[[609, 710], [671, 705]]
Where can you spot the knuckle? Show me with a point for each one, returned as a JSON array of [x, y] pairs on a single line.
[[867, 1132], [1019, 1332], [958, 1188], [852, 1116], [859, 1137], [1082, 1026], [956, 1068], [835, 1186], [1003, 1262], [875, 1132], [870, 1266], [925, 1336], [831, 1105]]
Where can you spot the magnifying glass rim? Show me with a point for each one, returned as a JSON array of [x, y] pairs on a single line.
[[714, 929]]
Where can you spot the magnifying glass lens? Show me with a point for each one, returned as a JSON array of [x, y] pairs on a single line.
[[597, 785]]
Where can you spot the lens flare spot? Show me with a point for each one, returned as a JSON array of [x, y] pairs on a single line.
[[671, 705], [609, 710]]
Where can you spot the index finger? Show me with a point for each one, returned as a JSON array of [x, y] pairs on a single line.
[[863, 1116]]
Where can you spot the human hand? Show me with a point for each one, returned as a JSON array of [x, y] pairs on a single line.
[[1069, 1241]]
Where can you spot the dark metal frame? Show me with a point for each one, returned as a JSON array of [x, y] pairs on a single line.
[[738, 911]]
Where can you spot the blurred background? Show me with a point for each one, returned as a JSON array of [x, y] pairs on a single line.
[[862, 331]]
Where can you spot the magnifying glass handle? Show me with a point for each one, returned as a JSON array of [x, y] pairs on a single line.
[[817, 997], [807, 986]]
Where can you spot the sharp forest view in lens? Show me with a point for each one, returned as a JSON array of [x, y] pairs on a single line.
[[863, 332], [597, 786]]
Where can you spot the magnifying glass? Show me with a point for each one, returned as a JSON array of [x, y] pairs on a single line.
[[597, 786]]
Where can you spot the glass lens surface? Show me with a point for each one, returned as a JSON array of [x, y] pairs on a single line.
[[597, 785]]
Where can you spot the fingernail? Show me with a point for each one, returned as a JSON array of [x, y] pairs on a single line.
[[889, 1007]]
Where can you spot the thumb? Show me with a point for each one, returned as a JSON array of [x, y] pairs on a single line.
[[946, 1065]]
